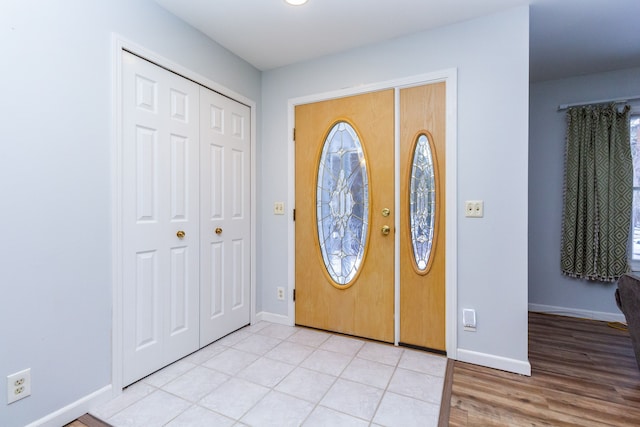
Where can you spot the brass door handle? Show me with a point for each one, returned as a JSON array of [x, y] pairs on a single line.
[[180, 234], [385, 230], [218, 230]]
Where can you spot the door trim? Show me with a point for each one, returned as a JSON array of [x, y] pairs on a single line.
[[450, 76], [118, 44]]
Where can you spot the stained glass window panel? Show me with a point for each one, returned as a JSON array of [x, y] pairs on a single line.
[[422, 202], [342, 203]]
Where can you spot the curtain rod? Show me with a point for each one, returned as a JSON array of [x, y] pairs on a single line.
[[601, 101]]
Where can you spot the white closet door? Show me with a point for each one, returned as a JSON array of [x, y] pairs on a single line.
[[224, 215], [160, 202]]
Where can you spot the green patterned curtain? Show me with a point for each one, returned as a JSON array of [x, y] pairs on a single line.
[[597, 194]]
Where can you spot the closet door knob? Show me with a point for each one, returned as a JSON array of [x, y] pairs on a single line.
[[180, 234], [218, 230]]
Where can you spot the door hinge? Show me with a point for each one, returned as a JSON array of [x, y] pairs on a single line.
[[294, 134], [294, 214], [294, 294]]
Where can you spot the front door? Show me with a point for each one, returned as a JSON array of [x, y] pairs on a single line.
[[344, 215], [344, 225]]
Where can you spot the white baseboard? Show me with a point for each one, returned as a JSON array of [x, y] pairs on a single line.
[[496, 362], [274, 318], [74, 410], [574, 312]]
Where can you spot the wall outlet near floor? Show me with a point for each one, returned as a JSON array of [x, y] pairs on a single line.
[[18, 385], [280, 293], [469, 319]]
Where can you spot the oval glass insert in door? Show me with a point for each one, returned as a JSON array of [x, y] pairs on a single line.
[[422, 203], [342, 200]]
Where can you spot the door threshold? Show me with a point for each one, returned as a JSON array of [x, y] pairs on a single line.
[[421, 348]]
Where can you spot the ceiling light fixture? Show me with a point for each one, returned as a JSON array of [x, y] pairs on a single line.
[[296, 2]]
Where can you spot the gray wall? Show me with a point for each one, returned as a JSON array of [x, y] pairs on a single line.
[[547, 286], [55, 264], [492, 57], [55, 183]]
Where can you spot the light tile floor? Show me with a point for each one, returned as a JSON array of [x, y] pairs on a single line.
[[274, 375]]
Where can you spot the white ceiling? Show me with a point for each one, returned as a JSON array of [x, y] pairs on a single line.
[[568, 37]]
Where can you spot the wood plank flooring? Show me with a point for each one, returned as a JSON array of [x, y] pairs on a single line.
[[88, 420], [584, 373]]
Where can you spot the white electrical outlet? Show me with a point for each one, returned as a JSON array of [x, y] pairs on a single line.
[[280, 293], [474, 208], [469, 319], [278, 208], [18, 385]]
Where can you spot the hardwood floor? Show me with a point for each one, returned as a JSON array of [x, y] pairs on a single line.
[[88, 420], [584, 373]]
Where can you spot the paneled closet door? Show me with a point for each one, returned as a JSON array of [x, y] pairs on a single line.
[[160, 217], [225, 227]]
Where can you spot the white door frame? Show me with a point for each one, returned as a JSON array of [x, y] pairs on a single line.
[[450, 76], [118, 45]]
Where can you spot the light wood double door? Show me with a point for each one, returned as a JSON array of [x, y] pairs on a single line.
[[185, 216], [363, 304]]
